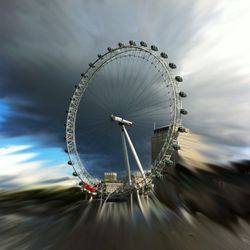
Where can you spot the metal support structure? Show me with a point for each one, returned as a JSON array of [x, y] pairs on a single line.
[[157, 59], [134, 153], [125, 151]]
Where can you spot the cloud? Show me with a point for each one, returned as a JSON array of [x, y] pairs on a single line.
[[20, 169], [46, 45], [218, 78]]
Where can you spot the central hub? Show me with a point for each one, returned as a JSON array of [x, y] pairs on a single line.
[[120, 120]]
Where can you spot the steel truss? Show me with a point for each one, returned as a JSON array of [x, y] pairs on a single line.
[[161, 63]]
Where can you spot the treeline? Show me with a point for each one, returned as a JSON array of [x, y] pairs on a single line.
[[68, 195]]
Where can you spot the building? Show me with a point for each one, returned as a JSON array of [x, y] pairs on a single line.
[[110, 177], [111, 184], [111, 187], [157, 141]]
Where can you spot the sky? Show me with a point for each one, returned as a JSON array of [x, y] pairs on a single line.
[[45, 45]]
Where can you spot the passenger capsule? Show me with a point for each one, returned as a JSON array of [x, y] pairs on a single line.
[[70, 162], [80, 183], [120, 45], [75, 174], [184, 111], [158, 175], [153, 47], [143, 44], [65, 124], [66, 150], [164, 55], [84, 75], [172, 65], [178, 79], [99, 56], [181, 129], [65, 138], [132, 43], [176, 147], [182, 94], [169, 162], [91, 65], [109, 49]]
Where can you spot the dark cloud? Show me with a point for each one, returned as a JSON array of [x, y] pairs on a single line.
[[7, 181], [54, 181]]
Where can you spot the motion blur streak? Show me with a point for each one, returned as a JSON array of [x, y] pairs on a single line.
[[192, 153], [189, 210], [45, 45]]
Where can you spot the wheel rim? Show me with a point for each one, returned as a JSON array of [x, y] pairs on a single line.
[[161, 63]]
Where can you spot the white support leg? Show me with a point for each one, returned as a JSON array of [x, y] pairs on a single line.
[[125, 151], [134, 153]]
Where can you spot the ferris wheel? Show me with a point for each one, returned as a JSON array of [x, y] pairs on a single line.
[[129, 85]]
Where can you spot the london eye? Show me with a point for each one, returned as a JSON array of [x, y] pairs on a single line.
[[120, 99]]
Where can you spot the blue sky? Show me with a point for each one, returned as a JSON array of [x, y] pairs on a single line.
[[28, 162], [5, 110]]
